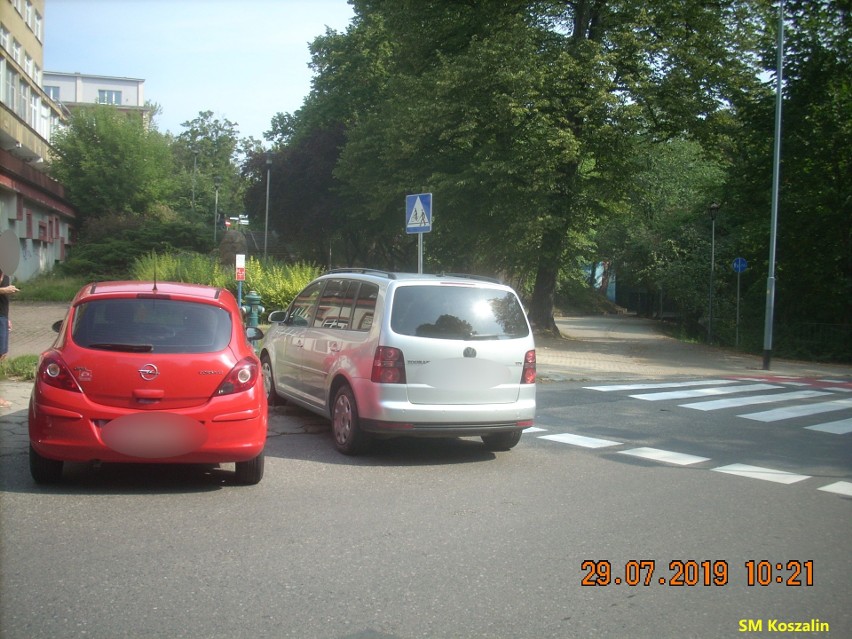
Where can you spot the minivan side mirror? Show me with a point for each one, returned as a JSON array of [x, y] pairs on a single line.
[[253, 333], [277, 316]]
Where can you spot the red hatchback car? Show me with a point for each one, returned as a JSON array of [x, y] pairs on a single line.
[[149, 372]]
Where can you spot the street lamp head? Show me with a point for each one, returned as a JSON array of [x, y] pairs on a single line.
[[268, 160], [712, 210]]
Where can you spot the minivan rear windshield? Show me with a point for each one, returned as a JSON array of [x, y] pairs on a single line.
[[151, 325], [458, 312]]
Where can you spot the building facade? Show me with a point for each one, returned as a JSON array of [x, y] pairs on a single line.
[[32, 205], [73, 90]]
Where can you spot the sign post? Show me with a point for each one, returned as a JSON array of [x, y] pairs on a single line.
[[240, 263], [418, 219], [739, 265]]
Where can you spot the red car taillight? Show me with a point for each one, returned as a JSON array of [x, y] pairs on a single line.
[[388, 366], [241, 378], [54, 372], [528, 374]]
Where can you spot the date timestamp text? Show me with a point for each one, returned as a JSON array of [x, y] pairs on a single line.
[[688, 572]]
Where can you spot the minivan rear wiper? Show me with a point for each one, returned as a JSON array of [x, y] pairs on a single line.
[[129, 348]]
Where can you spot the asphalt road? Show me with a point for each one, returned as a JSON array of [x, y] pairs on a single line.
[[446, 539]]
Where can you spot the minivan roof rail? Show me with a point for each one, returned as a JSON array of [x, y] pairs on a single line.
[[366, 271], [483, 278]]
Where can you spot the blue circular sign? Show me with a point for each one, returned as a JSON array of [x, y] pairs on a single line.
[[739, 265]]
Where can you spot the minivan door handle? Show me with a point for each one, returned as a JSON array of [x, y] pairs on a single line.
[[334, 346]]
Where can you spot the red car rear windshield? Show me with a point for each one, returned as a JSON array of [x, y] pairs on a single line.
[[151, 325]]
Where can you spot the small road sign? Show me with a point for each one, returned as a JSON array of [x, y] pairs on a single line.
[[739, 265], [418, 213], [240, 264]]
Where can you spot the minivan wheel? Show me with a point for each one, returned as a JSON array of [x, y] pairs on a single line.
[[272, 396], [502, 441], [249, 472], [44, 470], [349, 439]]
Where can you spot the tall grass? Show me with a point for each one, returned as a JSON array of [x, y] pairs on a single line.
[[21, 368], [49, 288], [275, 282]]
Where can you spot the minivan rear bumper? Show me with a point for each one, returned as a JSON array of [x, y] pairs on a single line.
[[440, 430], [381, 415]]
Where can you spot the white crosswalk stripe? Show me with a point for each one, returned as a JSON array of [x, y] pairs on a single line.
[[580, 440], [667, 456], [758, 472], [704, 392], [839, 487], [840, 427], [799, 411], [627, 387], [736, 402]]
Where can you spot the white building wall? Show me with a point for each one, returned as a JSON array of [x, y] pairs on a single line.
[[83, 89]]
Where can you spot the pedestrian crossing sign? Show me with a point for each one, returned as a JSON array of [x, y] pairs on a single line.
[[418, 213]]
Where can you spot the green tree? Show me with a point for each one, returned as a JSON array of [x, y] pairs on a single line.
[[519, 116], [208, 154], [659, 243], [112, 164]]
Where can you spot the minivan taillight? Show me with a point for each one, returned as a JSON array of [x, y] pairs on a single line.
[[241, 378], [528, 374], [388, 366], [54, 372]]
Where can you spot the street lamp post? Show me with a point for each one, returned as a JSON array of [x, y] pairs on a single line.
[[194, 173], [712, 210], [266, 222], [216, 181]]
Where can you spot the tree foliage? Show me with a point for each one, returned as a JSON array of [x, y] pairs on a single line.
[[814, 239], [520, 117], [112, 164]]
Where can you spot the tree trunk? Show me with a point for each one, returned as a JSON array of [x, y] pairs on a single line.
[[544, 290]]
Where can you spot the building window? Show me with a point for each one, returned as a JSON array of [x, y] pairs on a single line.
[[11, 83], [52, 93], [38, 27], [109, 97], [4, 37]]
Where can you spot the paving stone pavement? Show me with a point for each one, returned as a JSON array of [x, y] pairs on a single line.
[[594, 348]]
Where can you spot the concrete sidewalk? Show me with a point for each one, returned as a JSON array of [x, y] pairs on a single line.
[[31, 326]]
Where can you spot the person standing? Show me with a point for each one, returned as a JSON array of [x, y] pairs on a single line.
[[6, 289]]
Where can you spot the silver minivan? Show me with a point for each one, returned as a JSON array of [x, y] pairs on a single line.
[[400, 354]]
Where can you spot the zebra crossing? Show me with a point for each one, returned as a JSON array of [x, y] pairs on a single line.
[[751, 398]]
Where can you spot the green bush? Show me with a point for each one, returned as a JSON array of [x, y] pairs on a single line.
[[108, 246]]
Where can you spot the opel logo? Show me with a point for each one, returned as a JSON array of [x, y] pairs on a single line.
[[149, 372], [469, 352]]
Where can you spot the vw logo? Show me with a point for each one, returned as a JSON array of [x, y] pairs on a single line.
[[469, 352], [149, 372]]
